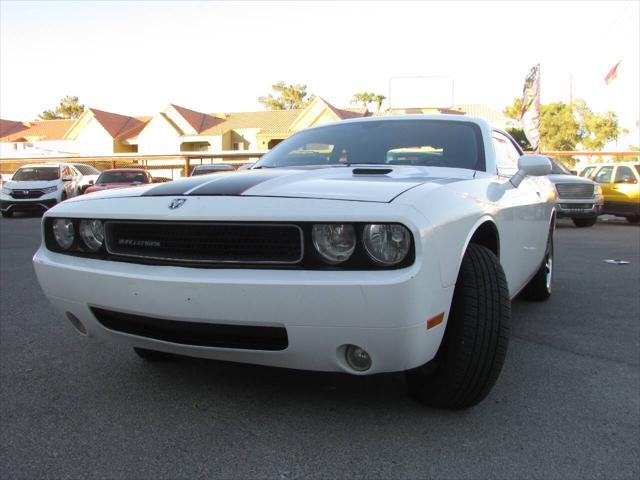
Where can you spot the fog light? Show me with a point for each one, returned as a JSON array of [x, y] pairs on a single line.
[[77, 324], [358, 358]]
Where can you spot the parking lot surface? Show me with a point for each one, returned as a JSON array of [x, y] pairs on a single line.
[[567, 404]]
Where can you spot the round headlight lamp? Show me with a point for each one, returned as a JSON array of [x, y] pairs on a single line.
[[335, 242], [386, 244], [63, 232], [92, 234]]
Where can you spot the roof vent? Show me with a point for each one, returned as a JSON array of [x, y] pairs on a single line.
[[372, 171]]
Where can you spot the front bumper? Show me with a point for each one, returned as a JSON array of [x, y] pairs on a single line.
[[8, 204], [579, 208], [384, 312]]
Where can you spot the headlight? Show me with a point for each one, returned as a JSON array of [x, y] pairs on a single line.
[[597, 190], [92, 234], [335, 242], [386, 244], [63, 232], [6, 190], [50, 189]]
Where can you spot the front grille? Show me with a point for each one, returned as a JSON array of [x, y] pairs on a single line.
[[574, 190], [207, 243], [21, 194], [194, 333]]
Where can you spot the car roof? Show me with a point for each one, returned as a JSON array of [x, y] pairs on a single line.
[[34, 165], [441, 117], [138, 170]]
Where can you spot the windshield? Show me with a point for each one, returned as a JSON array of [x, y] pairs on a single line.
[[30, 174], [557, 168], [437, 143], [86, 169], [122, 177]]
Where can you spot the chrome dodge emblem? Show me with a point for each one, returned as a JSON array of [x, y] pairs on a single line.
[[176, 203]]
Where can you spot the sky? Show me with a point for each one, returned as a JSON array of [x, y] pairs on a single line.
[[135, 57]]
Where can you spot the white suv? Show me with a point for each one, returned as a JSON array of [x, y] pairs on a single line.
[[39, 187]]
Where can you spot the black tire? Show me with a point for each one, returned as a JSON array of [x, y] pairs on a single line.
[[633, 219], [152, 355], [7, 214], [475, 341], [540, 286], [584, 222]]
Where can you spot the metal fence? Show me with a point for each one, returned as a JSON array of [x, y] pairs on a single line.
[[171, 166], [180, 165]]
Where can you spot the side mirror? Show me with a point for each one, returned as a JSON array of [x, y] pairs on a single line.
[[67, 179], [531, 165], [90, 182], [573, 172]]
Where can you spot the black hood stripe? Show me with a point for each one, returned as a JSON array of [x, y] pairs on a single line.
[[227, 184]]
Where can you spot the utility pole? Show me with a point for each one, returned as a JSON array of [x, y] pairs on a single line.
[[571, 91]]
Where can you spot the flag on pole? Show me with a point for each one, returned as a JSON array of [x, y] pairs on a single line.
[[613, 73], [530, 113]]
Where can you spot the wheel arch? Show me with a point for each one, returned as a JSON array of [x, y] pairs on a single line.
[[486, 234]]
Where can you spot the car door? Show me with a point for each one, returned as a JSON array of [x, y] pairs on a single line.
[[524, 216], [604, 176], [69, 181], [625, 186]]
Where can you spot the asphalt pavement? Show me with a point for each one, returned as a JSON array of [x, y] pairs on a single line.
[[567, 404]]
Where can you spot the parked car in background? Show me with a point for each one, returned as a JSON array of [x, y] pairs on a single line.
[[620, 184], [359, 263], [120, 178], [89, 175], [579, 199], [39, 187], [5, 177], [208, 169]]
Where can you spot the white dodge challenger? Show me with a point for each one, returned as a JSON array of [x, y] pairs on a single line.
[[374, 245]]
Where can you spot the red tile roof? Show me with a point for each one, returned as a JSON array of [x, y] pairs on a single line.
[[118, 125], [199, 121], [11, 131]]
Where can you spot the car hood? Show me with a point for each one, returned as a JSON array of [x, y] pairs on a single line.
[[365, 184], [560, 178], [28, 185]]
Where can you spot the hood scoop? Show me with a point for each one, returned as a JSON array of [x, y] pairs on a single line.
[[372, 171]]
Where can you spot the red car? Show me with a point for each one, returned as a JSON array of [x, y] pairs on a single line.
[[120, 178]]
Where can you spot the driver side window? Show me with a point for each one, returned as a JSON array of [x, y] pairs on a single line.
[[506, 154]]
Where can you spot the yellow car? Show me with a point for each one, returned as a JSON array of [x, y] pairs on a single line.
[[620, 184]]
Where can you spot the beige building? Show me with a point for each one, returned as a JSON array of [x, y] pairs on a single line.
[[177, 129]]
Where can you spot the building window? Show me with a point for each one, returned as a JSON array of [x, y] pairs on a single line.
[[238, 145]]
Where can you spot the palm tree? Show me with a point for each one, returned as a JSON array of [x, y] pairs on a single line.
[[378, 98], [364, 98]]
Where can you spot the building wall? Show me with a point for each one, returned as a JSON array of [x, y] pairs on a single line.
[[94, 140], [159, 136], [38, 148]]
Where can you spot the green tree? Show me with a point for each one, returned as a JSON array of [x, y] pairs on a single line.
[[559, 130], [378, 99], [367, 98], [362, 98], [565, 127], [596, 130], [286, 97], [69, 107], [519, 136]]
